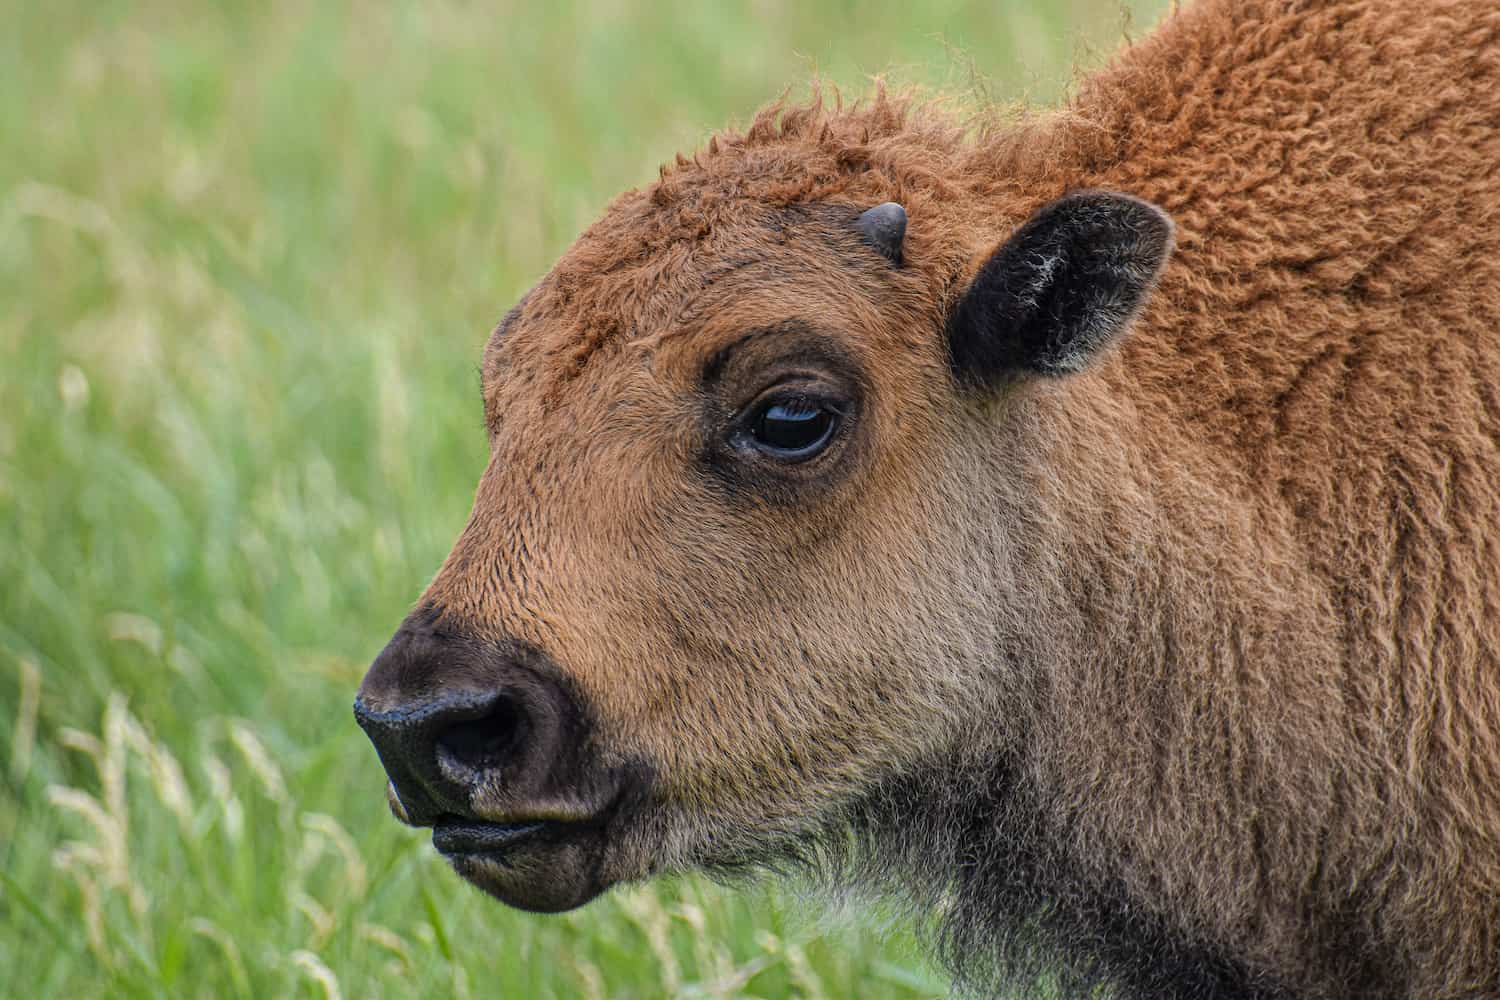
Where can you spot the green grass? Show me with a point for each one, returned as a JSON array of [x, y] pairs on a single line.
[[248, 255]]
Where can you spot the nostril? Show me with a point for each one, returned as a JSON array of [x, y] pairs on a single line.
[[483, 743]]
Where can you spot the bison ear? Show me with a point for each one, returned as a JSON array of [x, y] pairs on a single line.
[[1061, 289]]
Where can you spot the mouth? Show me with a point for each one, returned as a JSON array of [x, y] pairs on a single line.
[[454, 836]]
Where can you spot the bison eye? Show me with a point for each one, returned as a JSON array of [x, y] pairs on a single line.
[[793, 429]]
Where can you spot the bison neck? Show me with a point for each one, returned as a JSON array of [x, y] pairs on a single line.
[[1166, 806], [1263, 626]]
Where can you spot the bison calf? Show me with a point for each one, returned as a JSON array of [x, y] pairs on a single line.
[[1086, 530]]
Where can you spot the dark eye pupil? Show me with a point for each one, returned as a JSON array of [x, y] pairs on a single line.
[[793, 427]]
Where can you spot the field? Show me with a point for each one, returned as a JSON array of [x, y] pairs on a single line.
[[248, 255]]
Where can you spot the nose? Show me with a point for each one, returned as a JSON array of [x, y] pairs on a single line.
[[457, 719]]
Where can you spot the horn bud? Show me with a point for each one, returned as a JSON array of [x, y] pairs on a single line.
[[884, 228]]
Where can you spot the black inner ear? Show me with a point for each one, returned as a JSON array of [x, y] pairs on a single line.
[[1061, 289]]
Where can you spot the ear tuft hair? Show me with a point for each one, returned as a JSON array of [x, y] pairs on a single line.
[[1064, 287]]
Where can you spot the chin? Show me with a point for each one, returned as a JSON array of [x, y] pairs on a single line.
[[547, 868]]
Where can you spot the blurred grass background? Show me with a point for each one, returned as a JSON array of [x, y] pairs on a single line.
[[249, 253]]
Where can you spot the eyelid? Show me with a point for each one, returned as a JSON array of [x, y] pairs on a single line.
[[803, 390]]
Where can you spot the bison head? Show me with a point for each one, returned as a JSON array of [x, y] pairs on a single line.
[[761, 529]]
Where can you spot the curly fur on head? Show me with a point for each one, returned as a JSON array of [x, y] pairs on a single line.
[[1168, 663]]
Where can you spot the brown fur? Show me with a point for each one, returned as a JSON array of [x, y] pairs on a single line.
[[1205, 641]]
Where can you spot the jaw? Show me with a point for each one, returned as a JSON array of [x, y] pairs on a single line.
[[552, 867], [648, 829]]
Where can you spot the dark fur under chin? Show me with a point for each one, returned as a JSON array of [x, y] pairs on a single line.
[[1007, 914]]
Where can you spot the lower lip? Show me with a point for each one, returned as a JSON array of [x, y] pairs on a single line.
[[469, 837]]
